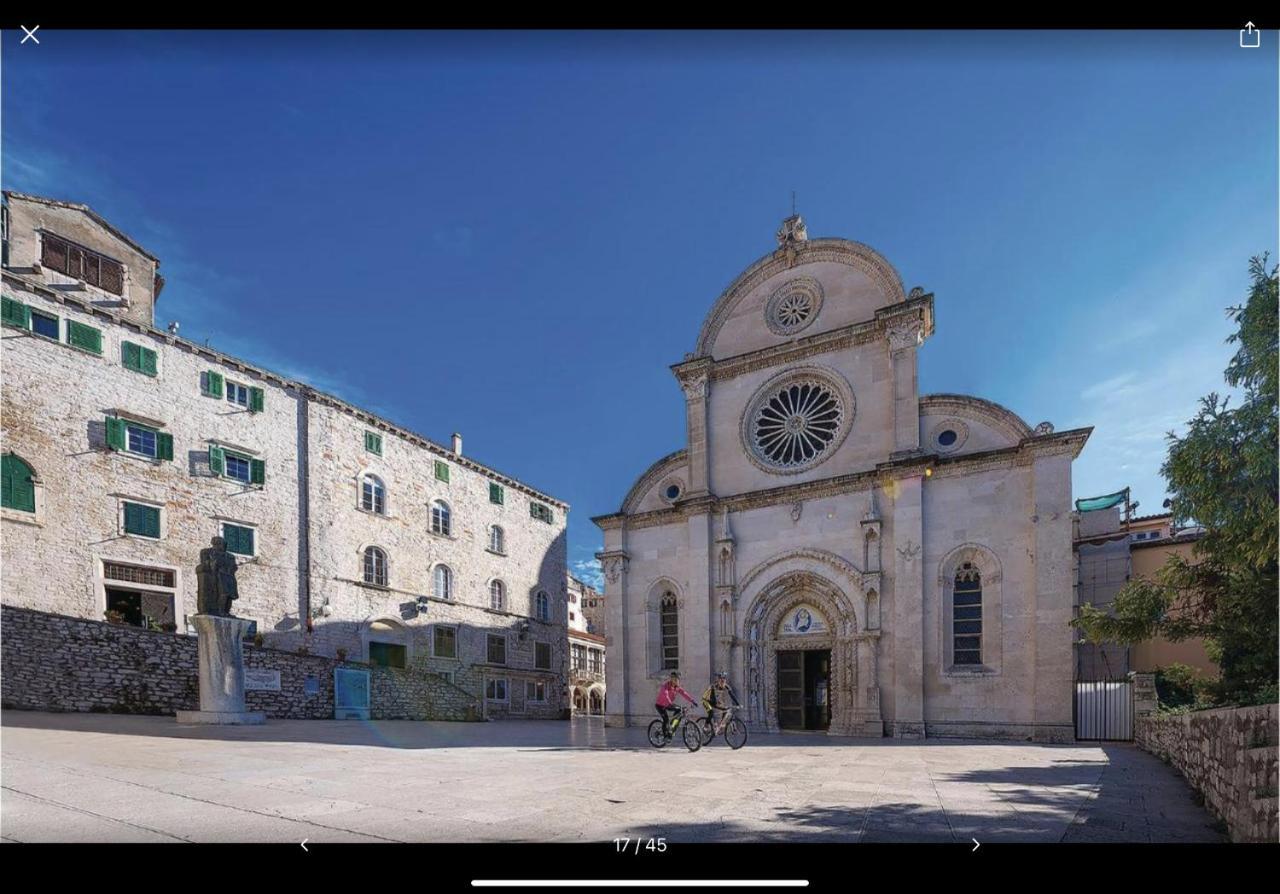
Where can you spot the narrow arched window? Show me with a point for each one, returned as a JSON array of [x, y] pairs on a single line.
[[443, 582], [966, 616], [497, 540], [375, 566], [497, 596], [542, 607], [373, 496], [670, 624], [871, 556], [19, 481], [440, 518]]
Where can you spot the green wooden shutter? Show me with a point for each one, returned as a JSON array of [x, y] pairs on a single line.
[[213, 384], [257, 471], [164, 445], [18, 484], [148, 358], [495, 493], [115, 433], [442, 471], [216, 464], [15, 313], [255, 400], [143, 520], [85, 337], [373, 442], [131, 355]]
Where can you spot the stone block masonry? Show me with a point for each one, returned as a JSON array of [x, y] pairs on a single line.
[[55, 663], [1229, 756]]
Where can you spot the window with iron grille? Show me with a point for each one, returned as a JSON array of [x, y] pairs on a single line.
[[670, 628], [966, 617], [137, 574], [97, 270]]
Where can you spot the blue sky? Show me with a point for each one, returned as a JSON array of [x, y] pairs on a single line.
[[513, 235]]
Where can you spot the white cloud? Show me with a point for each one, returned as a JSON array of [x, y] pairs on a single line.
[[588, 571]]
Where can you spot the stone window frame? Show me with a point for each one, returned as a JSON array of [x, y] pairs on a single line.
[[489, 638], [659, 590], [542, 598], [36, 518], [497, 540], [959, 426], [987, 563], [434, 653], [158, 505], [101, 582], [537, 685], [441, 521], [365, 475], [500, 592], [808, 286], [666, 485], [506, 690], [450, 580], [223, 520], [386, 566]]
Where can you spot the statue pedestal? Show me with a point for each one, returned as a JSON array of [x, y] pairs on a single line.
[[220, 644]]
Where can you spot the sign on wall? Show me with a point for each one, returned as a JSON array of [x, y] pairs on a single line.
[[264, 680], [801, 620]]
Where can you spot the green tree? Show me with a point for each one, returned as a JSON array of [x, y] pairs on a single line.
[[1222, 474]]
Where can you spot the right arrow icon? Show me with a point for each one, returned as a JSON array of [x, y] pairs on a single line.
[[975, 845]]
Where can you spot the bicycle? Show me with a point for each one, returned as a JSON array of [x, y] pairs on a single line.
[[735, 731], [658, 737]]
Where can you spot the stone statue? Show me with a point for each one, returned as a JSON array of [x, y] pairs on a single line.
[[216, 580]]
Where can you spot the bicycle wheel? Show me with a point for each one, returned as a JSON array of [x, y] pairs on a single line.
[[735, 733], [692, 736], [707, 730], [657, 737]]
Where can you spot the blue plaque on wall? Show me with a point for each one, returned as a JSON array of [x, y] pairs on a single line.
[[311, 686]]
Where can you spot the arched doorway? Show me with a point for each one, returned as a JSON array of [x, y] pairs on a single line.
[[803, 658], [595, 700], [579, 701]]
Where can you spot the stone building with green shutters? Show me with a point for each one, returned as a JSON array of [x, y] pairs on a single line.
[[126, 448]]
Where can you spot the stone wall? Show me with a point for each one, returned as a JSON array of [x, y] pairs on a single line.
[[1229, 757], [56, 663]]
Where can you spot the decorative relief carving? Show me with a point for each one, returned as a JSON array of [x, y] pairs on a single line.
[[695, 387], [910, 551], [793, 306], [796, 511], [1044, 428], [906, 334]]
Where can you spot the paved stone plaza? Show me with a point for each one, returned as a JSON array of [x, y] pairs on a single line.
[[92, 777]]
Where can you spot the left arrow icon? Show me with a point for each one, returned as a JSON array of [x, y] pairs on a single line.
[[304, 845]]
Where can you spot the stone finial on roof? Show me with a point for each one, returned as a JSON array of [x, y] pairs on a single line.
[[792, 230]]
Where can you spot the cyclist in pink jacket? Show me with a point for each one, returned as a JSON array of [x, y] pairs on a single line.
[[667, 698]]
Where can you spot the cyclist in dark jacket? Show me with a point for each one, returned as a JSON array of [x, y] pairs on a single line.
[[716, 697]]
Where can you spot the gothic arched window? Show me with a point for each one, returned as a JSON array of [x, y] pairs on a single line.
[[669, 622], [966, 617], [542, 607]]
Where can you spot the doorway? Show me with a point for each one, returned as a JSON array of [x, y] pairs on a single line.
[[804, 689]]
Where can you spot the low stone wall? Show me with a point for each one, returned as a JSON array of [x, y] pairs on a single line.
[[1229, 756], [52, 662]]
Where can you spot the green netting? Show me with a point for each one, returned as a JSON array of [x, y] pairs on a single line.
[[1090, 504]]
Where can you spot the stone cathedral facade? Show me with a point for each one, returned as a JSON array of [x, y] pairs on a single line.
[[860, 558]]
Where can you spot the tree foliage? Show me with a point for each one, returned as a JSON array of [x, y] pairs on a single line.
[[1222, 474]]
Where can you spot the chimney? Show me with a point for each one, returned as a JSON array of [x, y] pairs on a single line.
[[457, 444]]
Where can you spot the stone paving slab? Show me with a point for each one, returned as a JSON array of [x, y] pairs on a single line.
[[92, 777]]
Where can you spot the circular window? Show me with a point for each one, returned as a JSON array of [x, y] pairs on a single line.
[[948, 435], [947, 438], [793, 305], [673, 491], [794, 424]]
